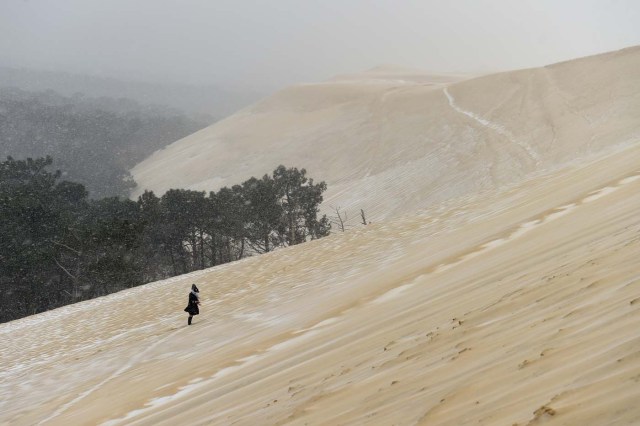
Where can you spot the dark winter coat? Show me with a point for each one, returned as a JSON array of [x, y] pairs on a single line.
[[192, 307]]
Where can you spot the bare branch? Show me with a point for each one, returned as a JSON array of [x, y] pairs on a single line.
[[340, 218], [65, 246], [64, 269]]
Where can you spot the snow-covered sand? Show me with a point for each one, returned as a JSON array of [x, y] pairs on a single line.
[[508, 307], [516, 304], [391, 141]]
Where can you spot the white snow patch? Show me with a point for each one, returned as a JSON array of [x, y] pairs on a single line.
[[524, 228], [250, 358], [326, 322], [560, 211], [495, 243], [599, 194], [249, 316], [259, 317], [393, 293], [321, 324], [155, 403], [629, 179], [292, 341], [443, 267], [501, 130], [225, 371]]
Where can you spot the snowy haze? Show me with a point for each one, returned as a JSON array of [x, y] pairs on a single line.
[[510, 298], [266, 45]]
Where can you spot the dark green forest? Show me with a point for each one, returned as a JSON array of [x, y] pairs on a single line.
[[95, 141], [60, 246]]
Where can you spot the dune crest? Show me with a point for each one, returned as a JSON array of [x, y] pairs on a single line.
[[392, 145]]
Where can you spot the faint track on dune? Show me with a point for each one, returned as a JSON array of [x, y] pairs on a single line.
[[499, 129], [113, 375]]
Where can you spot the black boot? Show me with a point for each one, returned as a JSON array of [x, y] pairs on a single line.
[[189, 321]]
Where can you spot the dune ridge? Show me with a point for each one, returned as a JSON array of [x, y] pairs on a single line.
[[393, 145]]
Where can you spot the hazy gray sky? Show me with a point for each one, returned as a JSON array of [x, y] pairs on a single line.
[[268, 44]]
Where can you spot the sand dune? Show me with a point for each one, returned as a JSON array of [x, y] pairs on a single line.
[[392, 141], [517, 306], [510, 298]]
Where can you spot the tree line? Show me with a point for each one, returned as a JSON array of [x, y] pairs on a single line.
[[58, 246]]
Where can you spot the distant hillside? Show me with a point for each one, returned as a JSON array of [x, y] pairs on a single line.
[[395, 141], [208, 100], [95, 141]]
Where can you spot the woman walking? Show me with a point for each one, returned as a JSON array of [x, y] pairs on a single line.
[[194, 300]]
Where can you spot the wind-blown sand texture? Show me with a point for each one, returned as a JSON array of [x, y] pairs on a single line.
[[517, 304]]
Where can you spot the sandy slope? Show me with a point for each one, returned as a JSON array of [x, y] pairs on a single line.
[[517, 306], [512, 298], [391, 141]]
